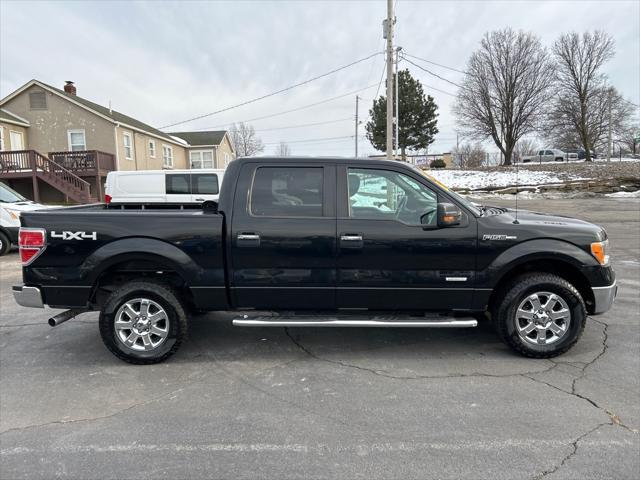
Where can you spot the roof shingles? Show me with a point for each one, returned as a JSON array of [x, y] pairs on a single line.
[[196, 139]]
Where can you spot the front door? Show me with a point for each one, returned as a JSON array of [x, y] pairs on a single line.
[[391, 254], [283, 237]]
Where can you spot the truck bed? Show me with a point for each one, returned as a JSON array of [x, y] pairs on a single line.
[[86, 242]]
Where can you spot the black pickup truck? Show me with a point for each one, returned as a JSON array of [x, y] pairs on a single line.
[[318, 242]]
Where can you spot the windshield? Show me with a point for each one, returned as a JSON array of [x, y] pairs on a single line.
[[459, 198], [7, 195]]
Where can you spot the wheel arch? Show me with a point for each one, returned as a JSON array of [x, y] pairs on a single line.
[[138, 258], [553, 256], [553, 265]]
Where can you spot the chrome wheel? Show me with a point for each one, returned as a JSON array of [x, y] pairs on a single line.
[[141, 324], [543, 318]]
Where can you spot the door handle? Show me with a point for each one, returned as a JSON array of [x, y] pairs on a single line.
[[199, 199], [351, 240], [248, 240]]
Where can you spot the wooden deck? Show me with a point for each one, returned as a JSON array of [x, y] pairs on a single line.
[[65, 171]]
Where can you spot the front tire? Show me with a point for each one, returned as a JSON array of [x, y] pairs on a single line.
[[143, 322], [540, 315]]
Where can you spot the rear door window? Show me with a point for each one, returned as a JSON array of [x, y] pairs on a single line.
[[287, 192], [178, 184]]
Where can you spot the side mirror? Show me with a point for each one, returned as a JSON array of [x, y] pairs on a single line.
[[448, 215]]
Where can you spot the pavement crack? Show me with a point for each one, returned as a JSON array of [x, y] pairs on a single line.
[[615, 419], [93, 419], [384, 373], [574, 450]]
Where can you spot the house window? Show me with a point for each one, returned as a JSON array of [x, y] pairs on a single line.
[[128, 146], [152, 149], [1, 139], [167, 156], [38, 101], [15, 140], [76, 140], [227, 159], [201, 159]]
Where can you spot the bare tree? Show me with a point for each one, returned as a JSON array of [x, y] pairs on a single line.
[[283, 150], [581, 101], [505, 88], [627, 138], [244, 139], [524, 147], [469, 155], [605, 106]]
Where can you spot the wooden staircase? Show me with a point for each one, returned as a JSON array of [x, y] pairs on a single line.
[[25, 163]]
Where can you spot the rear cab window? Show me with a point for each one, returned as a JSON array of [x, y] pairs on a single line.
[[287, 192]]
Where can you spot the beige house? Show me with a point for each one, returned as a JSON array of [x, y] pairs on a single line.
[[57, 146]]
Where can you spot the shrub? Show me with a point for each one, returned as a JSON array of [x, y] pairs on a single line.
[[437, 163]]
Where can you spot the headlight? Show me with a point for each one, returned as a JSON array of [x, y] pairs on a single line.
[[599, 251], [14, 214]]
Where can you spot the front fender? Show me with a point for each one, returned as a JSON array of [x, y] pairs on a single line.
[[539, 249]]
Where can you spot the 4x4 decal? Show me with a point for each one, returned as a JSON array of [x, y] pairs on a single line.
[[66, 235]]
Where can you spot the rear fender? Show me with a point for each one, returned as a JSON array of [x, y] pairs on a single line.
[[164, 254]]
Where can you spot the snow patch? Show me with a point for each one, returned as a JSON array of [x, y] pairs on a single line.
[[635, 194], [477, 179]]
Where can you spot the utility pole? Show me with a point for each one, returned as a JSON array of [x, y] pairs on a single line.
[[388, 35], [397, 102], [609, 136], [357, 126]]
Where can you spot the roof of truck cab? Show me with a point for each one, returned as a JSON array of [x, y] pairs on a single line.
[[324, 160]]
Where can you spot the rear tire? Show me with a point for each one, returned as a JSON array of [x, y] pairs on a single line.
[[5, 244], [143, 322], [540, 316]]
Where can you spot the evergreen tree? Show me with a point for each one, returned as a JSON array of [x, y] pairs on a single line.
[[418, 117]]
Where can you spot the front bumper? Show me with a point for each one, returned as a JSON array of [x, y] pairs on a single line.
[[603, 297], [28, 296]]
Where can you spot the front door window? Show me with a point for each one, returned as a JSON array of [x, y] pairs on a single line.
[[388, 195]]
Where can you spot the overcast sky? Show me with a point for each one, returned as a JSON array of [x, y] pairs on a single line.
[[163, 62]]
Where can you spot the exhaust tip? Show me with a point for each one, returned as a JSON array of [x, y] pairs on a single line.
[[52, 322]]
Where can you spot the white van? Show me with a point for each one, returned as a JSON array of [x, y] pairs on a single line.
[[163, 186], [11, 204]]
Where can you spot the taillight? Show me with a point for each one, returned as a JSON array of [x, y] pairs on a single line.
[[107, 199], [32, 242]]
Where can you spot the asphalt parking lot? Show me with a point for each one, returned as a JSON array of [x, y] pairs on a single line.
[[328, 403]]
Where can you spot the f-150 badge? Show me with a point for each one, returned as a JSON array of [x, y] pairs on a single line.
[[499, 237], [66, 235]]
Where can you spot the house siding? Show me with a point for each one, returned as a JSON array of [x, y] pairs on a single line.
[[140, 158], [6, 127], [48, 130], [224, 147]]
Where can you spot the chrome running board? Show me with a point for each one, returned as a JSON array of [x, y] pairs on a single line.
[[375, 321]]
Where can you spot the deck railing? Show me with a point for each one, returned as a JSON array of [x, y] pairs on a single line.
[[14, 163], [84, 161]]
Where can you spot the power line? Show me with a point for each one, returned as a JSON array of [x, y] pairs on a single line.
[[289, 111], [247, 102], [434, 74], [384, 68], [434, 63], [313, 140], [305, 125]]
